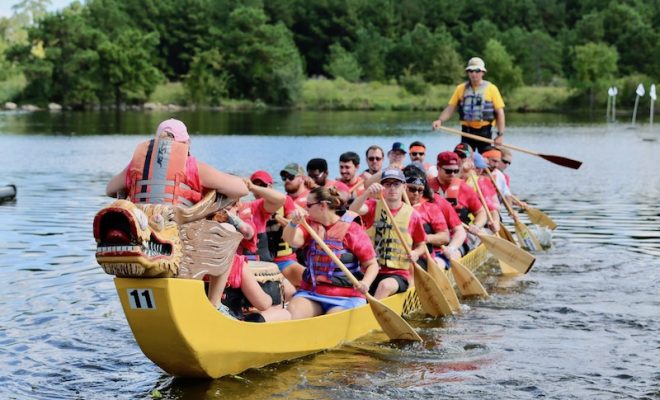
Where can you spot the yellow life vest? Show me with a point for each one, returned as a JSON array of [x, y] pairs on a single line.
[[390, 251]]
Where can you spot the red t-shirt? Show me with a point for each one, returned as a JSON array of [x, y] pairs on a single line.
[[259, 215], [432, 214], [489, 192], [451, 217], [340, 186], [467, 197]]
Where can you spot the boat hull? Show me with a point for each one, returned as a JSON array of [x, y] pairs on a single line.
[[180, 331]]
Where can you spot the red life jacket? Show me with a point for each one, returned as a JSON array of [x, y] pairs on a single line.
[[161, 171], [322, 274]]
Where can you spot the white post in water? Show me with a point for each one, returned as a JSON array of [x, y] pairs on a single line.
[[640, 92], [652, 94], [610, 94], [615, 91]]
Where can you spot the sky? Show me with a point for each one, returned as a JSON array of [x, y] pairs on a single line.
[[5, 6]]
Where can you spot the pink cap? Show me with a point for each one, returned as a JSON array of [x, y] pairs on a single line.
[[176, 128]]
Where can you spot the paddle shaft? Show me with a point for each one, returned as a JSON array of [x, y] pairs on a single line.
[[396, 227], [559, 160], [482, 198], [508, 207]]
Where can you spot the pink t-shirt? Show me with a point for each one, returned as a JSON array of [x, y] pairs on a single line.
[[259, 215], [467, 197], [451, 217], [431, 214]]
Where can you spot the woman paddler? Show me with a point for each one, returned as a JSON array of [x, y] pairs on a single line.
[[324, 288], [422, 200], [162, 171]]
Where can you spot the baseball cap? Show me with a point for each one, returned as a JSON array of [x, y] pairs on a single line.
[[398, 146], [476, 64], [463, 150], [263, 176], [176, 128], [294, 169], [448, 158], [393, 173]]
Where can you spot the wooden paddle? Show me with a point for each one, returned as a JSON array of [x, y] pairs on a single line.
[[440, 277], [508, 252], [538, 217], [524, 234], [563, 161], [430, 295], [394, 326]]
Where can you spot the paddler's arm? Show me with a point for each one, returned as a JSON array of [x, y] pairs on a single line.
[[500, 123], [370, 269], [227, 184], [444, 116], [373, 179], [481, 218], [438, 239], [253, 291], [358, 205], [273, 199], [457, 239], [117, 184], [292, 233]]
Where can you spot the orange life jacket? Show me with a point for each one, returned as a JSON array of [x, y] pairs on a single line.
[[161, 171]]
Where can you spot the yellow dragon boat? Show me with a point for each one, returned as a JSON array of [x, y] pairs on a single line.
[[171, 318]]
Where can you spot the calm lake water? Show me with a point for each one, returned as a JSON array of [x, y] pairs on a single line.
[[585, 323]]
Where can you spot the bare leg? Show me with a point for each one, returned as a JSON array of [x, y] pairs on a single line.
[[300, 307], [276, 313], [293, 273], [217, 287], [386, 288]]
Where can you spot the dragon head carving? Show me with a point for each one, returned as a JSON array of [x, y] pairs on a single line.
[[164, 241]]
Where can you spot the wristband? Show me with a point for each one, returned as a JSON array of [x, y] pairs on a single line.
[[450, 248], [291, 224], [500, 134], [235, 221]]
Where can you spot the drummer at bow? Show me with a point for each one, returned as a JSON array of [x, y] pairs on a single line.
[[324, 288]]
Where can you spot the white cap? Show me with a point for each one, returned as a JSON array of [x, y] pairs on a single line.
[[476, 64]]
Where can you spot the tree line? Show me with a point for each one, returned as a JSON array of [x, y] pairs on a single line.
[[118, 51]]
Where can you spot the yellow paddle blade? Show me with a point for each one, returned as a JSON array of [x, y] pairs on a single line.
[[467, 283], [538, 217], [526, 237], [508, 252], [395, 327], [507, 270], [430, 296], [440, 277]]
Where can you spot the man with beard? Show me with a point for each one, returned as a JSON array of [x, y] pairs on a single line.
[[317, 172], [349, 164]]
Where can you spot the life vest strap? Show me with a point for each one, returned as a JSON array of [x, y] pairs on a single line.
[[160, 182]]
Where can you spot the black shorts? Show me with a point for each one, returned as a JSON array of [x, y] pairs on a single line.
[[485, 132], [403, 282]]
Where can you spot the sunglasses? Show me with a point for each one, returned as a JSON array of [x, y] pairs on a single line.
[[309, 205], [415, 154], [474, 70], [415, 189], [451, 171], [287, 177], [374, 158], [507, 162], [260, 184]]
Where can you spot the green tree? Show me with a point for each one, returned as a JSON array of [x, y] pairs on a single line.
[[207, 81], [501, 70], [126, 68], [536, 53], [342, 64], [370, 51], [595, 65], [262, 59]]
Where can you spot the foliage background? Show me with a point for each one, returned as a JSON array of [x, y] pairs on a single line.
[[119, 52]]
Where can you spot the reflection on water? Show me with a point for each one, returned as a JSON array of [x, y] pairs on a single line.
[[583, 323]]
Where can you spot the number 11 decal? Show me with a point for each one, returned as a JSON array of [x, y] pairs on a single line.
[[141, 299]]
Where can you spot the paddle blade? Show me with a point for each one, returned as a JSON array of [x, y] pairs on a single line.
[[508, 252], [538, 217], [563, 161], [394, 326], [440, 277], [507, 270], [527, 238], [430, 296], [467, 283]]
